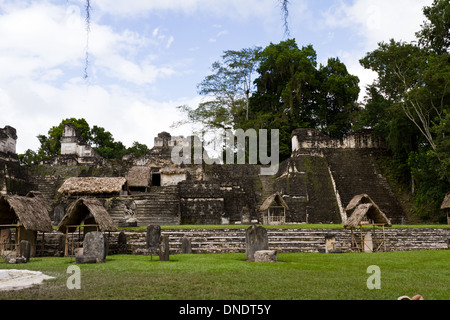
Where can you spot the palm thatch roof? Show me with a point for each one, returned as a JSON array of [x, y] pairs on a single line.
[[92, 185], [139, 176], [446, 202], [277, 198], [85, 208], [30, 212], [362, 207]]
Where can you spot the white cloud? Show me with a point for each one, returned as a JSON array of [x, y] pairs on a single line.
[[373, 21], [379, 20], [235, 9], [38, 38], [169, 42], [42, 52]]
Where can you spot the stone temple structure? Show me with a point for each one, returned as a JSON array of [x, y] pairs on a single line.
[[314, 185]]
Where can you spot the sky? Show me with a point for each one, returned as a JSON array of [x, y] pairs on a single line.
[[147, 57]]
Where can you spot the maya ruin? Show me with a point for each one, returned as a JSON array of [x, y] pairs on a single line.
[[81, 190]]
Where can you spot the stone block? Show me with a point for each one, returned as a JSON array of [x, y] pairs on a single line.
[[86, 259], [153, 237], [255, 239], [164, 248], [25, 250], [266, 256], [13, 260], [186, 246], [122, 243], [94, 245]]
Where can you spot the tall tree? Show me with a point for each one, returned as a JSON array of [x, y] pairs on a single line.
[[227, 91], [293, 93], [338, 106], [435, 33], [410, 103], [416, 81], [286, 82]]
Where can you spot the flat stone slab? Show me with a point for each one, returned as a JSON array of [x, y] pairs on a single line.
[[266, 256], [87, 259], [12, 279], [13, 260]]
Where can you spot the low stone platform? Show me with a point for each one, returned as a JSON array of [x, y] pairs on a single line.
[[281, 240]]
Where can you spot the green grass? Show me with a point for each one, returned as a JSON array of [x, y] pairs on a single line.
[[296, 276]]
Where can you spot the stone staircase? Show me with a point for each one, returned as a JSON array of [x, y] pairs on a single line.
[[355, 172], [159, 206], [46, 184]]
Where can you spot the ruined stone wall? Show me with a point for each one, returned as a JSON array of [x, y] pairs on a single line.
[[201, 203], [241, 188], [314, 139], [282, 240], [8, 139], [14, 178]]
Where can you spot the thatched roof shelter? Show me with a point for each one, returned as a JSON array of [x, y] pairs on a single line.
[[87, 208], [31, 212], [446, 202], [93, 185], [362, 207], [139, 176], [277, 198]]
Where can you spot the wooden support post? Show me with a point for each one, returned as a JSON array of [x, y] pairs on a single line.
[[362, 239], [66, 247], [18, 240]]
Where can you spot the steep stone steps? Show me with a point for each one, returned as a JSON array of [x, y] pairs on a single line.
[[47, 185], [355, 172], [161, 206]]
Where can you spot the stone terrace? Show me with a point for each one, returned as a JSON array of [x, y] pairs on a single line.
[[282, 240]]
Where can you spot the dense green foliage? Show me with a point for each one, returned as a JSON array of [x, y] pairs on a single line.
[[409, 105], [296, 276]]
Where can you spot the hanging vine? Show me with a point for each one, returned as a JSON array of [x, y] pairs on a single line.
[[285, 13], [88, 30]]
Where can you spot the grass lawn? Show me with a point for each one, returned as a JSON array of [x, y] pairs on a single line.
[[296, 276]]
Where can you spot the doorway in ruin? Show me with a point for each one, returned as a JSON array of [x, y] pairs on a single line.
[[156, 179]]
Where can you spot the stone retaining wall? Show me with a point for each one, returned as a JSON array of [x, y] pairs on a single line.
[[282, 240]]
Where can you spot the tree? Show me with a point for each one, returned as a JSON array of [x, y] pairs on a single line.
[[292, 92], [100, 139], [28, 158], [51, 144], [417, 81], [286, 82], [435, 33], [339, 91], [409, 104], [227, 91]]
